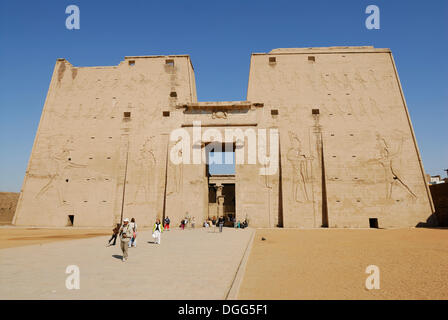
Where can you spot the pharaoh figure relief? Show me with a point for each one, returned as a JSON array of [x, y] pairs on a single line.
[[389, 158], [60, 164], [301, 166]]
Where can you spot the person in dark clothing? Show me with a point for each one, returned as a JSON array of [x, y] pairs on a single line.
[[182, 224], [220, 223], [114, 236], [167, 223]]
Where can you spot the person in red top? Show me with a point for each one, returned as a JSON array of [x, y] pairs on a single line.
[[182, 224], [167, 223]]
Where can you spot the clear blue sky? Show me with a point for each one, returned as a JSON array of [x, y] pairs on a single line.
[[33, 35]]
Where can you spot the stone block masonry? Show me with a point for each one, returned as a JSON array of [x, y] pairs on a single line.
[[347, 153]]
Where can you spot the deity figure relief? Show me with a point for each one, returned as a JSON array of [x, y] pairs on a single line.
[[175, 173], [347, 82], [373, 78], [114, 108], [145, 169], [336, 82], [324, 81], [301, 164], [360, 80]]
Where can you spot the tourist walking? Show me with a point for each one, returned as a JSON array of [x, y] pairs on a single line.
[[182, 224], [114, 236], [167, 224], [192, 222], [133, 241], [220, 223], [157, 231], [125, 235]]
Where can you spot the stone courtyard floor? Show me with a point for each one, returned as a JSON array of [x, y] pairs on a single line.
[[189, 264], [202, 264]]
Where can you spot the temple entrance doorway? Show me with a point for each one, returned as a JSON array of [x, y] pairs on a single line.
[[221, 182], [221, 199]]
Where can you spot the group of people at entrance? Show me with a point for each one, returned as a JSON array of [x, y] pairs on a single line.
[[213, 222], [128, 234], [128, 230], [221, 221]]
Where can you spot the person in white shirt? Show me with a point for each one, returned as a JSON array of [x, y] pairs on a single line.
[[157, 231], [133, 241]]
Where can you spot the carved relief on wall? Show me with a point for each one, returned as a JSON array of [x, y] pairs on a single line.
[[369, 109], [114, 110], [360, 80], [219, 115], [324, 82], [338, 84], [347, 82], [145, 169], [59, 166], [175, 173], [373, 79], [389, 158], [302, 169]]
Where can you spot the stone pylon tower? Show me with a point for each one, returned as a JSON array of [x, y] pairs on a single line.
[[346, 153]]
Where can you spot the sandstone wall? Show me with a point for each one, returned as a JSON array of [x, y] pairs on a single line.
[[439, 193], [362, 134], [347, 148], [8, 203], [86, 146]]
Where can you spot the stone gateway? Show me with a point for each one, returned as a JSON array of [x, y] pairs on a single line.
[[324, 139]]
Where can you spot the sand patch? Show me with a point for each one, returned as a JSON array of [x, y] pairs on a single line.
[[331, 264], [16, 236]]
